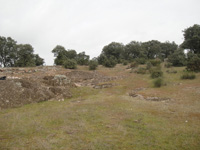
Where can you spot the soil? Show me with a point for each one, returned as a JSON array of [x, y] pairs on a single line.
[[31, 85]]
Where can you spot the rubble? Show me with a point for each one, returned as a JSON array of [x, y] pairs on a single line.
[[37, 84]]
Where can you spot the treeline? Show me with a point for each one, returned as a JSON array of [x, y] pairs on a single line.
[[22, 55], [115, 53], [64, 56], [186, 54], [17, 55]]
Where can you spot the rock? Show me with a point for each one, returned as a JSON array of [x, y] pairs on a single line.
[[57, 80], [101, 86]]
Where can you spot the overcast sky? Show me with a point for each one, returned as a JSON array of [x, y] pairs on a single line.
[[89, 25]]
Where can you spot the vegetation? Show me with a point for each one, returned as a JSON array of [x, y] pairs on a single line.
[[156, 73], [109, 118], [188, 75], [141, 70], [134, 65], [155, 62], [193, 62], [62, 55], [168, 65], [17, 55], [93, 64], [192, 39], [158, 82], [70, 64], [178, 58]]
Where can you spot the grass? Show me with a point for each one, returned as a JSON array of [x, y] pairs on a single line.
[[109, 119]]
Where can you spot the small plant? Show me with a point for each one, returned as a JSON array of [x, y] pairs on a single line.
[[156, 73], [148, 65], [93, 65], [70, 64], [171, 71], [125, 62], [168, 65], [134, 65], [188, 75], [158, 82], [141, 70], [155, 62], [140, 60]]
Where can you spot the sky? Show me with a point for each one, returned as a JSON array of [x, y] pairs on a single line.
[[89, 25]]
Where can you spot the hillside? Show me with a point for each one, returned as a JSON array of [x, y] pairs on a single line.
[[110, 108]]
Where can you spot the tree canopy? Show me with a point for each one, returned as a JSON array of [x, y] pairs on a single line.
[[192, 39], [62, 55], [17, 55]]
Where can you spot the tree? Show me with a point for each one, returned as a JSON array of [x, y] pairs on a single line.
[[7, 51], [193, 63], [178, 58], [192, 39], [62, 55], [113, 49], [38, 60], [152, 49], [132, 50], [82, 58], [25, 56], [167, 49], [71, 54], [101, 59], [110, 62], [57, 50]]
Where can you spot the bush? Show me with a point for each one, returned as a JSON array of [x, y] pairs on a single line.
[[134, 65], [156, 73], [141, 70], [158, 82], [178, 58], [70, 64], [110, 62], [155, 62], [188, 75], [93, 65], [171, 71], [125, 62], [140, 60], [148, 65], [168, 65], [193, 63]]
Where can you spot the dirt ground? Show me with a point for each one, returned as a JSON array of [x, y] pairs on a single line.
[[29, 85]]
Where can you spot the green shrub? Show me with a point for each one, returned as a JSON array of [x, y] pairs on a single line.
[[171, 71], [70, 64], [140, 60], [148, 65], [193, 63], [134, 65], [125, 62], [110, 62], [93, 65], [178, 58], [155, 62], [188, 75], [158, 82], [141, 70], [168, 65], [156, 73]]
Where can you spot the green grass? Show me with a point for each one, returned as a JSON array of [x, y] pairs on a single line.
[[108, 119]]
